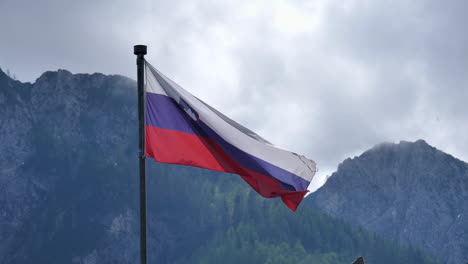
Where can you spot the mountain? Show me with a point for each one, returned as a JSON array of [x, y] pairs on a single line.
[[409, 192], [64, 163], [69, 191]]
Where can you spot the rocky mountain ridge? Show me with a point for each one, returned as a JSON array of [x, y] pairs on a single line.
[[69, 191], [409, 192], [52, 133]]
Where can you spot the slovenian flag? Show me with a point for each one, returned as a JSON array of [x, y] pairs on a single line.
[[182, 129]]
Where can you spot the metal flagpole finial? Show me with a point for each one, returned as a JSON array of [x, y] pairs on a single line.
[[359, 260], [139, 49]]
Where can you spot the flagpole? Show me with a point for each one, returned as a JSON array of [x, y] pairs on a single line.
[[140, 51]]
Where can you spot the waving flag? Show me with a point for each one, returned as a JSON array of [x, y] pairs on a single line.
[[182, 129]]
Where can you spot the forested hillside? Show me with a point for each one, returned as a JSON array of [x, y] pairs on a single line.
[[236, 225]]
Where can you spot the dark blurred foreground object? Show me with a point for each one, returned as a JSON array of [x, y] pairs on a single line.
[[359, 260]]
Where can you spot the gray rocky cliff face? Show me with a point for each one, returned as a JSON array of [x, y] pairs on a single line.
[[409, 192], [55, 143]]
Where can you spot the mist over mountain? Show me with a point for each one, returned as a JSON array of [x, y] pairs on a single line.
[[409, 192], [69, 191]]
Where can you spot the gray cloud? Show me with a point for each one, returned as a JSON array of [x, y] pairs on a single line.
[[328, 79]]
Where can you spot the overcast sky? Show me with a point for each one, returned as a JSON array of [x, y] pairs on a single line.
[[328, 79]]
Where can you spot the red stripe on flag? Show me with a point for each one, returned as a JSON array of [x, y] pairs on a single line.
[[174, 147]]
